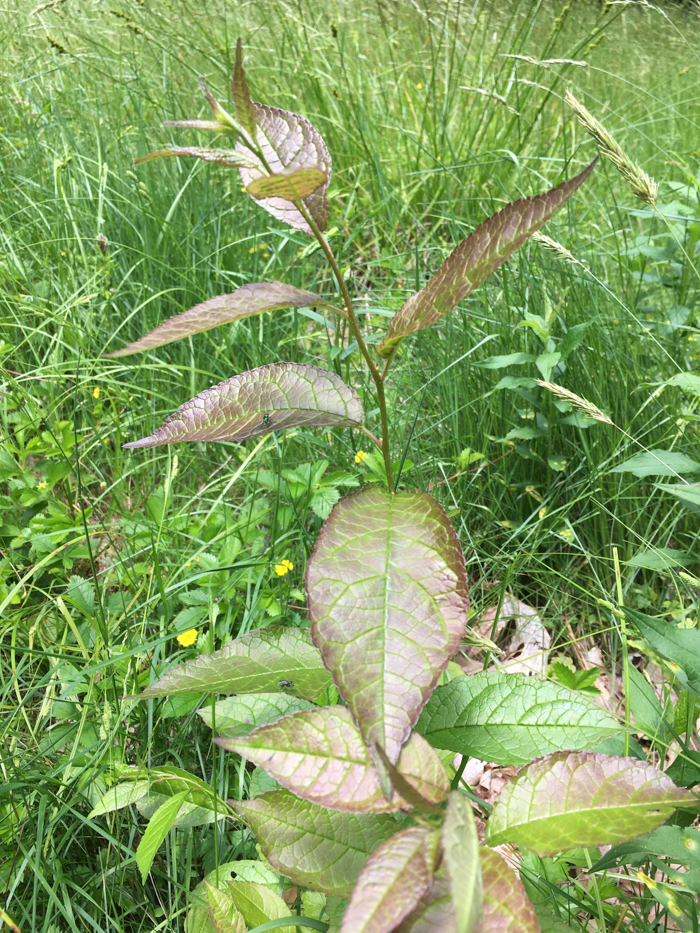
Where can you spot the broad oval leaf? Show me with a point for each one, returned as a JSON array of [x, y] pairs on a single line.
[[476, 258], [320, 756], [434, 910], [680, 646], [395, 877], [231, 158], [261, 661], [511, 718], [290, 186], [387, 598], [658, 463], [258, 904], [460, 848], [224, 916], [271, 398], [507, 908], [239, 715], [311, 845], [289, 142], [247, 300], [582, 799]]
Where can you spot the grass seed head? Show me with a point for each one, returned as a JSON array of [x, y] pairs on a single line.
[[581, 403]]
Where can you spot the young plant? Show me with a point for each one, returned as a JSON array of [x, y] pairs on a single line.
[[363, 814]]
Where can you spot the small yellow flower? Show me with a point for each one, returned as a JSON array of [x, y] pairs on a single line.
[[188, 638], [419, 86], [360, 456], [95, 392], [42, 485], [283, 569]]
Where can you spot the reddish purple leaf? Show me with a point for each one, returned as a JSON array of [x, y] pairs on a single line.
[[476, 258], [506, 905], [288, 142], [202, 125], [320, 756], [231, 158], [311, 845], [241, 95], [387, 598], [434, 911], [290, 186], [396, 876], [271, 398], [582, 799], [223, 913], [245, 301]]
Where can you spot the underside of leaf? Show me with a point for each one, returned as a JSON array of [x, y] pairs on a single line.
[[460, 847], [231, 158], [289, 142], [290, 186], [247, 300], [241, 95], [260, 661], [507, 908], [320, 756], [311, 845], [476, 258], [271, 398], [582, 799], [434, 910], [387, 598]]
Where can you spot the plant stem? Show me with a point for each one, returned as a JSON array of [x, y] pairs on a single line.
[[625, 652], [355, 327]]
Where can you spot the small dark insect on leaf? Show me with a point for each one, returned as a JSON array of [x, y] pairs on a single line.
[[267, 420], [286, 684]]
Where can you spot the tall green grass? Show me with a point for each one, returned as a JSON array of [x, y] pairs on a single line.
[[436, 114]]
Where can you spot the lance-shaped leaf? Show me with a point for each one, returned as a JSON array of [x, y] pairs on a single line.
[[320, 756], [681, 646], [460, 848], [289, 142], [271, 398], [582, 799], [261, 661], [247, 300], [231, 158], [507, 908], [434, 910], [387, 598], [239, 715], [156, 831], [511, 718], [224, 916], [258, 904], [313, 846], [290, 186], [395, 877], [241, 95], [476, 258]]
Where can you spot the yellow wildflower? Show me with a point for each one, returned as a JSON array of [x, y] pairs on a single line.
[[283, 569], [419, 86], [360, 456], [188, 638], [42, 485], [96, 392]]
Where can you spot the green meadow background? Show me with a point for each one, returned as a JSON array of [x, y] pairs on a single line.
[[436, 115]]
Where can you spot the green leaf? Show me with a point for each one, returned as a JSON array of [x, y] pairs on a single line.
[[392, 882], [156, 831], [245, 112], [672, 842], [507, 908], [313, 846], [271, 398], [320, 756], [680, 646], [476, 258], [546, 362], [289, 142], [688, 382], [647, 711], [257, 662], [254, 298], [660, 558], [223, 914], [257, 903], [239, 715], [658, 463], [227, 157], [460, 849], [582, 799], [689, 494], [290, 186], [119, 796], [387, 599], [511, 359], [511, 718], [434, 911], [201, 805], [572, 340]]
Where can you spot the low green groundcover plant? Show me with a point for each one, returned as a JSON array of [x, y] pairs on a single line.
[[352, 723]]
